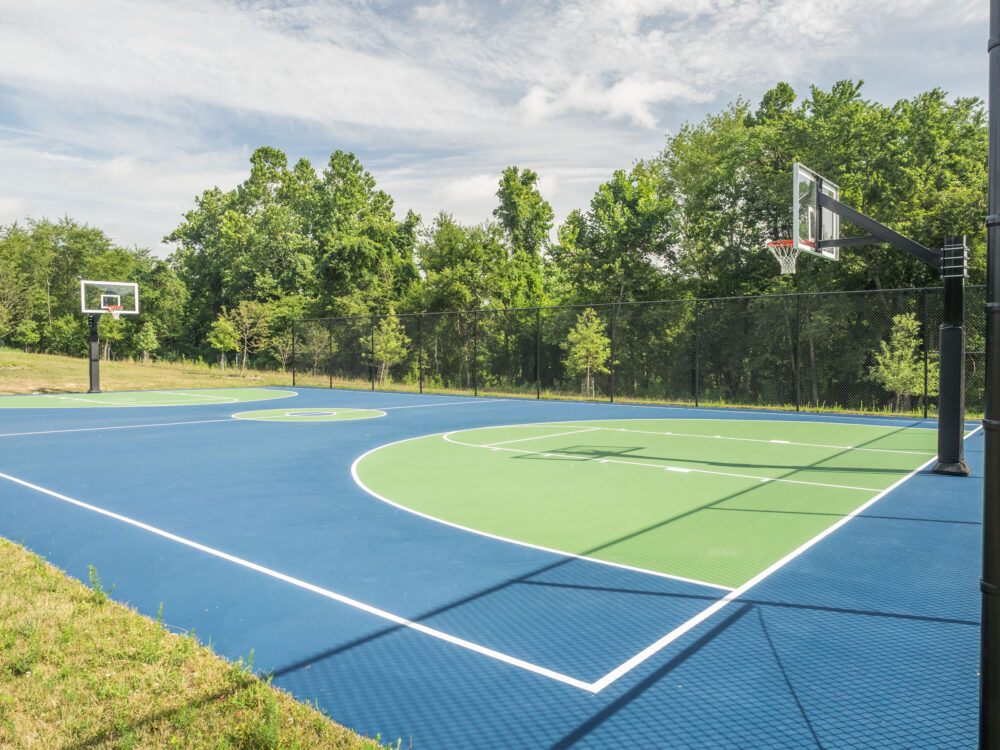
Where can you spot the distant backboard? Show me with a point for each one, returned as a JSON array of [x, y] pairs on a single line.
[[806, 185], [97, 297]]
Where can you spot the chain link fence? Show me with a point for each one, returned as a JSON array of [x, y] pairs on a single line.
[[870, 351]]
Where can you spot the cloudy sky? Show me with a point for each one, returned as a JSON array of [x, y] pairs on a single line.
[[119, 112]]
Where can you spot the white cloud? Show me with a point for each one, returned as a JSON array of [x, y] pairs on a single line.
[[119, 113]]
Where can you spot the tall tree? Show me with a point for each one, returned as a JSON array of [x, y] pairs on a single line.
[[526, 220]]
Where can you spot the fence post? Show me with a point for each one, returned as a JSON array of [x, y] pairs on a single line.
[[475, 352], [371, 352], [538, 353], [420, 350], [923, 294], [614, 318], [329, 362], [293, 352], [798, 351], [697, 348]]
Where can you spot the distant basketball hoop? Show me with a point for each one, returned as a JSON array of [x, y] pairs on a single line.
[[786, 254]]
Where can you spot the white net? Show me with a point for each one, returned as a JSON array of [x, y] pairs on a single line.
[[785, 253]]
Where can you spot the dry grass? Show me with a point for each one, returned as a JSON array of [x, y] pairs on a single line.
[[78, 670], [52, 373]]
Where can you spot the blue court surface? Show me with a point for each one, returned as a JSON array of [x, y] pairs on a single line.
[[254, 533]]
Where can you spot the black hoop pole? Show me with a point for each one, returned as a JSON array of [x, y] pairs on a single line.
[[951, 398], [95, 356], [989, 655]]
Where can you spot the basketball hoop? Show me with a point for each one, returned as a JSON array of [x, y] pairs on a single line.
[[115, 310], [785, 252]]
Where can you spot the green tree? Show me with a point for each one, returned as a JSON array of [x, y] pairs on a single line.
[[390, 344], [526, 220], [110, 331], [277, 335], [249, 320], [14, 301], [588, 350], [27, 334], [223, 338], [146, 341], [319, 345], [67, 334], [899, 364], [623, 248]]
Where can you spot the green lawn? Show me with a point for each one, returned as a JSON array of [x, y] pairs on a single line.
[[715, 501], [78, 670]]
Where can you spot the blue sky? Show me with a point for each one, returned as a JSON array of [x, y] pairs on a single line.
[[119, 112]]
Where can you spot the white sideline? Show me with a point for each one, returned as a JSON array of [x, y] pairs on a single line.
[[677, 632], [490, 446], [402, 621], [114, 427]]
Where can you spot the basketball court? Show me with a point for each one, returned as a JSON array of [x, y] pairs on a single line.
[[511, 573]]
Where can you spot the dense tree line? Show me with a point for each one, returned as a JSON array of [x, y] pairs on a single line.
[[691, 221]]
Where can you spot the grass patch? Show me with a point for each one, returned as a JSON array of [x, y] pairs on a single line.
[[53, 373], [78, 670]]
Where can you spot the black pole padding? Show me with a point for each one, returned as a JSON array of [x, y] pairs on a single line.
[[475, 353], [95, 356], [951, 389], [989, 655], [420, 351], [372, 368]]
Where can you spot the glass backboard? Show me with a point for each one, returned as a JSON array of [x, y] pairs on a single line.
[[805, 213], [97, 297]]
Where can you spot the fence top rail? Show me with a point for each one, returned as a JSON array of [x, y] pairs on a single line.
[[630, 303]]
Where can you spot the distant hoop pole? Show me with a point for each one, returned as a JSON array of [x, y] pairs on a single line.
[[989, 654], [785, 253]]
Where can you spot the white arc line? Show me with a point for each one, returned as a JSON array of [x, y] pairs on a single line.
[[490, 446], [398, 620], [677, 632], [529, 545]]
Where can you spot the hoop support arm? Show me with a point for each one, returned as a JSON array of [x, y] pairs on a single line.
[[880, 232]]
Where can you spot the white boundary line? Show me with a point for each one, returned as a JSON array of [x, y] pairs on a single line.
[[103, 402], [114, 427], [385, 615], [685, 470], [677, 632], [304, 418]]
